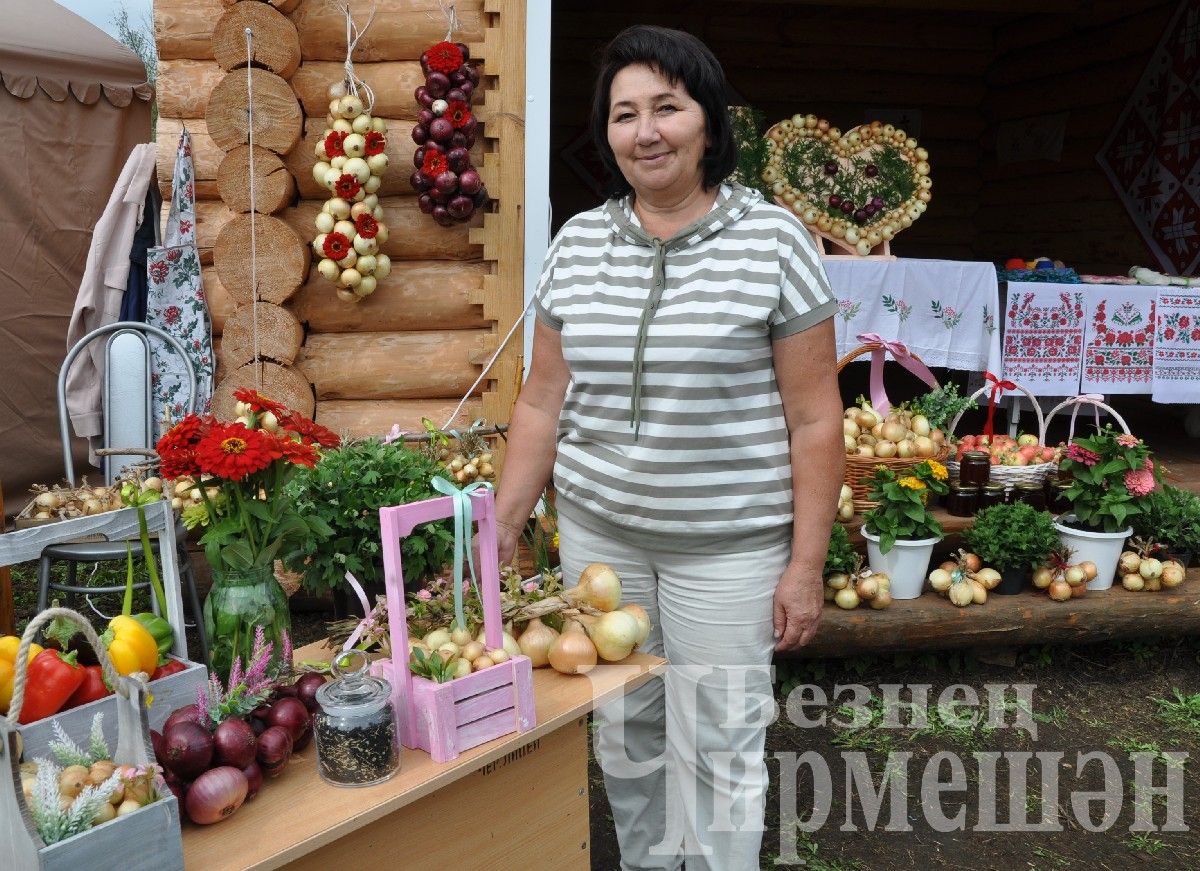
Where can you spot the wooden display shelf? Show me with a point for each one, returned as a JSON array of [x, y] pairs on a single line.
[[533, 785], [932, 622]]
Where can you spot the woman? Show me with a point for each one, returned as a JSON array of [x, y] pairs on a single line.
[[683, 392]]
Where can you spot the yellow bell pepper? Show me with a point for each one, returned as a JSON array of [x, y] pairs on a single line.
[[131, 647], [9, 645], [6, 685]]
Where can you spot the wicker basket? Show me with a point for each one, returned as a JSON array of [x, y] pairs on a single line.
[[1086, 399], [1011, 476], [860, 469]]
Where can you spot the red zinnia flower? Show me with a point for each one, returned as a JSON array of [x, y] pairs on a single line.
[[333, 143], [445, 57], [259, 403], [336, 246], [298, 453], [347, 186], [366, 225], [376, 143], [309, 431], [232, 452], [458, 114], [434, 164]]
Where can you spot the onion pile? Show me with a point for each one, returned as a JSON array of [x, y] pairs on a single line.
[[848, 591], [62, 503], [350, 229], [1142, 572], [212, 771], [845, 507], [901, 434], [449, 188], [965, 581]]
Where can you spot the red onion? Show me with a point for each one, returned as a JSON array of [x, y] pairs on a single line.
[[216, 794], [274, 750], [460, 159], [309, 682], [440, 129], [292, 715], [234, 743], [156, 742], [304, 739], [254, 778], [186, 714], [460, 207], [454, 95], [283, 691], [179, 790], [437, 84], [188, 749], [257, 725], [470, 182]]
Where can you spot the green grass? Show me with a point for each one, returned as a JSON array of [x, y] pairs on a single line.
[[809, 851], [868, 736], [1143, 843], [1133, 745], [1181, 714], [1055, 860], [102, 574], [943, 728]]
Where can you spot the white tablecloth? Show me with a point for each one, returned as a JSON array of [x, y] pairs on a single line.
[[1064, 339], [945, 311]]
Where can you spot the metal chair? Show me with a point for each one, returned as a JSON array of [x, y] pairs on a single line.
[[136, 374]]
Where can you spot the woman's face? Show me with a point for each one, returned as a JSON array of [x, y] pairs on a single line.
[[657, 132]]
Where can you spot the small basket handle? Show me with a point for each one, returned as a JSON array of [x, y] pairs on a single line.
[[878, 347], [1095, 400], [1032, 401]]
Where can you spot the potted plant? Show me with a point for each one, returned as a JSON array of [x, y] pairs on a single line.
[[901, 530], [1112, 474], [345, 492], [1171, 517], [241, 469], [1014, 539]]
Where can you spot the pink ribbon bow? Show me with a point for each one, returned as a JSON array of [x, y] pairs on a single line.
[[901, 355], [997, 387]]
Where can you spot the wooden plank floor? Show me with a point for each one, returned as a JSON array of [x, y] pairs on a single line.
[[932, 622]]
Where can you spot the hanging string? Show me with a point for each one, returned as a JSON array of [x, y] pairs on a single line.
[[258, 379], [487, 366], [353, 83], [452, 22]]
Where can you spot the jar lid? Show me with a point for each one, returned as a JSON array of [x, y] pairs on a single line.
[[978, 455], [993, 487], [966, 488], [354, 692], [1028, 485]]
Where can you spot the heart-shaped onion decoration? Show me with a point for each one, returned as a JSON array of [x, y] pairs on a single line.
[[857, 189]]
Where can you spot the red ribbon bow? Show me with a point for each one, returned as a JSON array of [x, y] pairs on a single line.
[[901, 355], [997, 386]]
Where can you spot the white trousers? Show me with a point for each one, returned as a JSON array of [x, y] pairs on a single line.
[[683, 757]]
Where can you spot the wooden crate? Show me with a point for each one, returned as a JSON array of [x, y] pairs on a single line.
[[446, 719]]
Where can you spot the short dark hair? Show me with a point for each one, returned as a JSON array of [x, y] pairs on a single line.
[[682, 59]]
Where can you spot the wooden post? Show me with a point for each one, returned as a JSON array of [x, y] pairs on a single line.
[[7, 614]]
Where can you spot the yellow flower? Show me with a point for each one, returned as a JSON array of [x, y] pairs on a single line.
[[939, 471], [912, 483], [554, 541]]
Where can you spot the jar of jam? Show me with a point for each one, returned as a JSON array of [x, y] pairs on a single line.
[[974, 469], [992, 494], [962, 500], [1030, 494]]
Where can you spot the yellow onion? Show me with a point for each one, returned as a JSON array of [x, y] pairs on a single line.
[[535, 642], [614, 634], [572, 652], [598, 586], [643, 619]]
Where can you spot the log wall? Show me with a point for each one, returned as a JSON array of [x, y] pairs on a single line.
[[413, 348]]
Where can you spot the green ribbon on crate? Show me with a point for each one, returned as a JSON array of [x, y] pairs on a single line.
[[463, 522]]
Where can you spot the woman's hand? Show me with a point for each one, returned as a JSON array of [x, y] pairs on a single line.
[[798, 601], [506, 542]]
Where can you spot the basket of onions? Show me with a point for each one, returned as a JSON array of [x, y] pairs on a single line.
[[879, 435], [92, 826]]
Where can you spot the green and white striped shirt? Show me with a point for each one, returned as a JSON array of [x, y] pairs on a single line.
[[672, 431]]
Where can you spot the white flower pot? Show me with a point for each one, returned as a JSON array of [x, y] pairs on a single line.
[[1102, 548], [907, 563]]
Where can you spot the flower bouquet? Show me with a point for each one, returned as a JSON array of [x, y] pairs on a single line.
[[240, 469]]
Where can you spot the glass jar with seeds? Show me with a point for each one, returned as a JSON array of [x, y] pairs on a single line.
[[355, 729]]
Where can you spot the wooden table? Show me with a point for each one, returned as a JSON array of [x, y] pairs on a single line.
[[518, 801], [932, 622]]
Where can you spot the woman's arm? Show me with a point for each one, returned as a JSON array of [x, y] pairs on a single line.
[[532, 438], [806, 372]]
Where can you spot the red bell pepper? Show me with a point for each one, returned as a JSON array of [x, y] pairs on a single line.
[[50, 681], [92, 688], [171, 666]]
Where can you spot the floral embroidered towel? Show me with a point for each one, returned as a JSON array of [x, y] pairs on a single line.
[[1177, 346], [1118, 354], [175, 301], [1043, 337], [944, 310]]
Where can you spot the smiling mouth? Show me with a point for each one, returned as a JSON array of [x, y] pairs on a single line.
[[651, 158]]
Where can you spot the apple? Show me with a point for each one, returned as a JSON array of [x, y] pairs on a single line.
[[1047, 455], [1027, 439]]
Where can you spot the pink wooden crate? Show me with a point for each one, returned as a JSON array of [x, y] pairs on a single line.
[[448, 718]]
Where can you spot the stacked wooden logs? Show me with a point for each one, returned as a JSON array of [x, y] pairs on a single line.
[[415, 346]]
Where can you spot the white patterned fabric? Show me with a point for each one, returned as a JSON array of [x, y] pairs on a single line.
[[1043, 337], [1177, 346], [175, 301], [945, 311], [1118, 353]]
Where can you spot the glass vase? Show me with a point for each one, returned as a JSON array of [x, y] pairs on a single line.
[[237, 605]]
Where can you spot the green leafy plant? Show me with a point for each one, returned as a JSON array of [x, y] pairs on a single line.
[[1016, 536], [903, 510], [345, 491], [841, 555], [752, 149], [431, 666], [941, 405], [1170, 516], [1113, 474]]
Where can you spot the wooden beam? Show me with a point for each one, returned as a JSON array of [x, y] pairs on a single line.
[[931, 622]]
